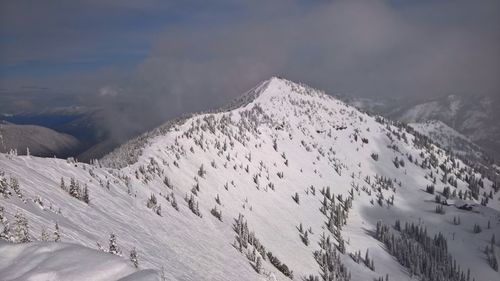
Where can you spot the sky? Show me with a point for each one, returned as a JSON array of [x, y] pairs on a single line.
[[143, 62]]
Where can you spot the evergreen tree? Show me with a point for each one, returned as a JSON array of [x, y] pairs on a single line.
[[328, 259], [113, 247], [305, 238], [74, 188], [258, 265], [85, 197], [14, 184], [63, 185], [5, 228], [152, 201], [446, 192], [57, 236], [44, 236], [134, 258], [477, 228], [4, 187], [167, 182], [422, 255], [201, 171], [21, 229], [174, 202], [216, 213]]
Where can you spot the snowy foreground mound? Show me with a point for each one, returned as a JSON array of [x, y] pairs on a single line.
[[61, 261], [286, 184]]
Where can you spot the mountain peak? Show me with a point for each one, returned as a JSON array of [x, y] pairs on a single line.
[[266, 186], [277, 86]]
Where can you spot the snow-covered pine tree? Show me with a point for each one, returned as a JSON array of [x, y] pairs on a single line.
[[216, 213], [57, 235], [305, 238], [167, 182], [158, 210], [174, 202], [367, 259], [74, 188], [201, 171], [44, 236], [331, 265], [113, 247], [21, 229], [413, 238], [14, 184], [152, 201], [477, 228], [4, 187], [258, 265], [63, 185], [85, 196], [134, 257], [4, 228]]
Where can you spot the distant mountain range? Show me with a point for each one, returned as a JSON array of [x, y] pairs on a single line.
[[449, 138], [476, 118], [61, 132], [36, 140]]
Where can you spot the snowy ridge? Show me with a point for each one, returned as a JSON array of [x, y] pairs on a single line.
[[297, 164], [129, 152], [61, 261]]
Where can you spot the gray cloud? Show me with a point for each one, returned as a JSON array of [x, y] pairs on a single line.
[[363, 48]]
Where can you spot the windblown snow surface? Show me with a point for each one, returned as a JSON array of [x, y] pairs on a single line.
[[286, 139], [62, 261]]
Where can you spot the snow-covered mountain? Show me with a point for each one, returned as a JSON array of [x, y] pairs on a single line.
[[449, 138], [472, 116], [39, 140], [286, 183]]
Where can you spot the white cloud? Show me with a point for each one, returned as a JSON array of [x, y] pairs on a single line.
[[108, 91]]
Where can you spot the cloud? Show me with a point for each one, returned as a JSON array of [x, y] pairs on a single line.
[[357, 47], [108, 91], [364, 48]]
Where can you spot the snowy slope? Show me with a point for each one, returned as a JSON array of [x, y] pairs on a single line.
[[448, 138], [474, 117], [279, 140], [61, 261]]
